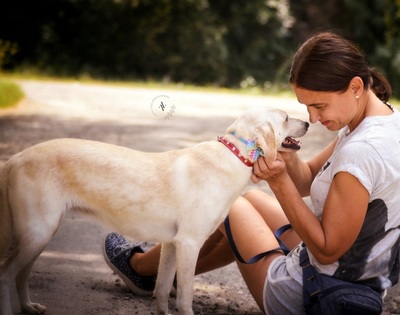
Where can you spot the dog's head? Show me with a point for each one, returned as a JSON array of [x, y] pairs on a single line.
[[271, 130]]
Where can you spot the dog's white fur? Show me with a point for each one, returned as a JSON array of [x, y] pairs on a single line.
[[177, 197]]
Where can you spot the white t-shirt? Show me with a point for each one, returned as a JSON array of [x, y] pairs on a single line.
[[371, 153]]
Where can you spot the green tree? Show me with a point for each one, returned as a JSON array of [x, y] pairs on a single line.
[[226, 43], [256, 35]]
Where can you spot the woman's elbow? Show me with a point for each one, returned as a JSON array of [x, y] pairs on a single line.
[[325, 258]]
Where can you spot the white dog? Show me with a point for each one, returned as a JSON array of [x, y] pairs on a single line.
[[177, 197]]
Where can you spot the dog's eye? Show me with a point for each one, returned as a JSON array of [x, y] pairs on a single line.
[[287, 118]]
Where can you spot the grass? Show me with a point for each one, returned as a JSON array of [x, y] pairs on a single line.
[[10, 94]]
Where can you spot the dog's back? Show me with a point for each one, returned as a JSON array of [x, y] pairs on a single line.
[[118, 186]]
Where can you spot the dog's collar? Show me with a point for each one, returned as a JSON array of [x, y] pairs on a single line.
[[235, 151], [251, 147]]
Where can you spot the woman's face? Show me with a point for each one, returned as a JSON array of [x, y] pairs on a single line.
[[334, 110]]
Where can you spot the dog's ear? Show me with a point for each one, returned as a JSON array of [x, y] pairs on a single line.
[[265, 138]]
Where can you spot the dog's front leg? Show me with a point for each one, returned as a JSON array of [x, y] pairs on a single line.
[[165, 277], [187, 252]]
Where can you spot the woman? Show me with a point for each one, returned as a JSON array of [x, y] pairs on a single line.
[[352, 231]]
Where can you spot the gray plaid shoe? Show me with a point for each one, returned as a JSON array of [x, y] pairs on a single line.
[[117, 253]]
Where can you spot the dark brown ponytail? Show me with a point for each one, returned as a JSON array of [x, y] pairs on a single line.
[[380, 85]]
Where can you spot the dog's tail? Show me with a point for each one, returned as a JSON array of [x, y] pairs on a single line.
[[6, 225]]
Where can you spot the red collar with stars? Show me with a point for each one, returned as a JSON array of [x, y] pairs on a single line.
[[235, 151]]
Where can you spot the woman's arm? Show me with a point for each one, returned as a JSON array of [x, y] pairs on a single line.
[[343, 214]]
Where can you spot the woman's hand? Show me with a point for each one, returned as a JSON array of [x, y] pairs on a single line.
[[270, 171]]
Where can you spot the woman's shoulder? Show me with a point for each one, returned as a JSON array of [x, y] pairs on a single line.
[[385, 126]]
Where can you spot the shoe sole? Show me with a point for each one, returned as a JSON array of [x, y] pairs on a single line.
[[136, 290]]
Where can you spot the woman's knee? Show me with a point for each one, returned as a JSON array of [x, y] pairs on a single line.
[[268, 207], [253, 194], [262, 201], [256, 197]]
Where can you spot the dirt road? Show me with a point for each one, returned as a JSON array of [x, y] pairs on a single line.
[[70, 277]]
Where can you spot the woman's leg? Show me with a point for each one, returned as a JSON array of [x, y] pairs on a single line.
[[252, 236], [273, 215], [214, 254]]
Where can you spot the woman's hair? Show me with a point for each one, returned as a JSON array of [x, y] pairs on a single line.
[[328, 62]]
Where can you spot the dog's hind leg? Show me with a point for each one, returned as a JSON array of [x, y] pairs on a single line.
[[22, 282], [32, 236], [165, 277], [5, 301], [19, 269], [36, 218]]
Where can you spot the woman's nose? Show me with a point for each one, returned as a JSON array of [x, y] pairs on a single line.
[[313, 115]]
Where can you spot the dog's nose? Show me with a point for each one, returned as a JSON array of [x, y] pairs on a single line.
[[307, 124]]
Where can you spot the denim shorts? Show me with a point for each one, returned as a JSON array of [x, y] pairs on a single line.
[[282, 293]]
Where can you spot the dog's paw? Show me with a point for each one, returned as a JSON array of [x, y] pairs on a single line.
[[33, 308]]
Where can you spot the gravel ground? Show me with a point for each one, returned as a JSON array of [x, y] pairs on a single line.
[[70, 277]]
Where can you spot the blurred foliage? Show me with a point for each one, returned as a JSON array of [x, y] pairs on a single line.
[[222, 43], [7, 50], [10, 94]]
